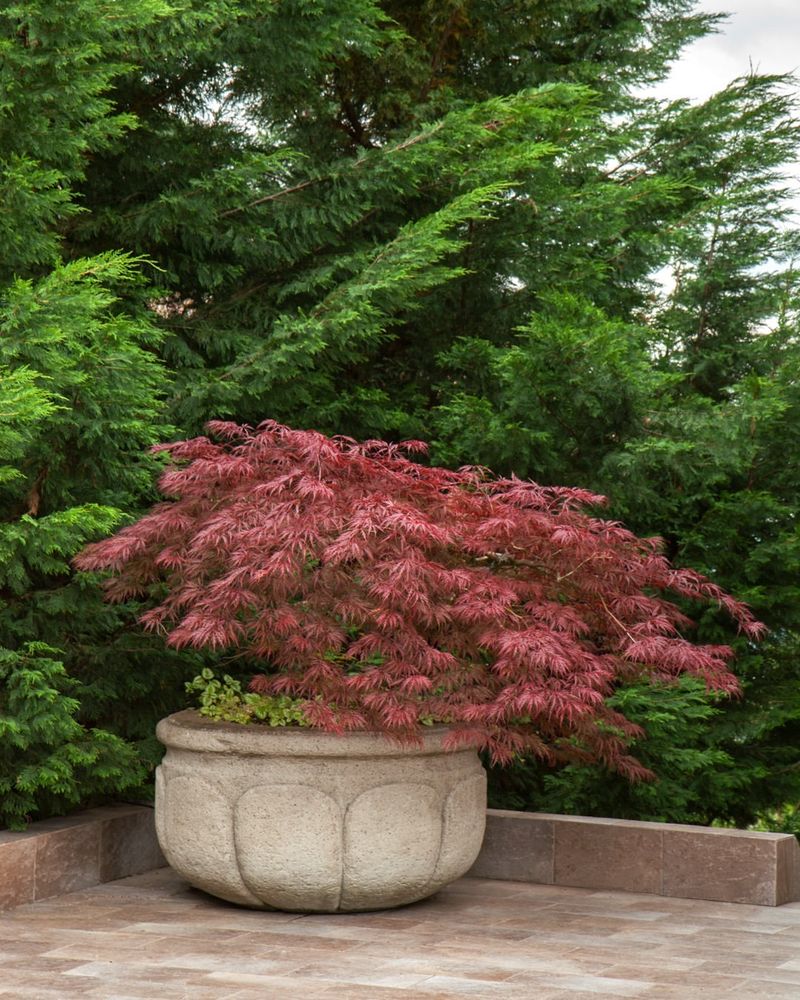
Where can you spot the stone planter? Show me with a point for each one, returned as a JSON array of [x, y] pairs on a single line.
[[296, 819]]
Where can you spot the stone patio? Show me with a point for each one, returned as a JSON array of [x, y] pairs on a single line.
[[151, 936]]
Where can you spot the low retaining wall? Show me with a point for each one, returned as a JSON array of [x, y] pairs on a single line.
[[691, 862], [57, 856]]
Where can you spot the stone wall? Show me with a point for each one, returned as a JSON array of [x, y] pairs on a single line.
[[667, 859], [56, 856]]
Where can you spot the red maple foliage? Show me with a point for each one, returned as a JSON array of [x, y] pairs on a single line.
[[385, 592]]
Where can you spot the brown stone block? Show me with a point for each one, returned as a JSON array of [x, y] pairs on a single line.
[[128, 844], [17, 864], [788, 889], [608, 854], [67, 860], [732, 866], [517, 847]]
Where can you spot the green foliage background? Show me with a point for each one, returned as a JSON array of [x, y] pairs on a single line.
[[460, 221]]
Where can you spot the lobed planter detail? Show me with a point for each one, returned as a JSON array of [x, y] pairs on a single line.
[[302, 820]]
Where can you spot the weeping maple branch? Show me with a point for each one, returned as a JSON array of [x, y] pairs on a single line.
[[383, 592]]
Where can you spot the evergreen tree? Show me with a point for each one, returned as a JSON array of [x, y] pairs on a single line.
[[81, 398], [696, 451], [444, 220], [295, 190], [448, 226]]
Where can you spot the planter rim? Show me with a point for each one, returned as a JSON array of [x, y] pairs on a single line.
[[188, 730]]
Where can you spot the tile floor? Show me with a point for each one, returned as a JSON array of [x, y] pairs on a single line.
[[151, 937]]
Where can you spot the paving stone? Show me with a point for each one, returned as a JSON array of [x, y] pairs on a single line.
[[599, 985], [151, 937]]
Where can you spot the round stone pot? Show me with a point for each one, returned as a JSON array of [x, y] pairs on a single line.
[[297, 819]]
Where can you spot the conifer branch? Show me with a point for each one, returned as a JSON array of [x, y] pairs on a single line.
[[311, 181]]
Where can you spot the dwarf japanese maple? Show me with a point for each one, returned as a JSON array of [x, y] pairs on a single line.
[[385, 593]]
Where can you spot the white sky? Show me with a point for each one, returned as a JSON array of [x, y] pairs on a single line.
[[761, 33], [765, 33]]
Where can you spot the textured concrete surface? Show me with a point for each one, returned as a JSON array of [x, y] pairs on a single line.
[[308, 821], [152, 936], [667, 859]]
